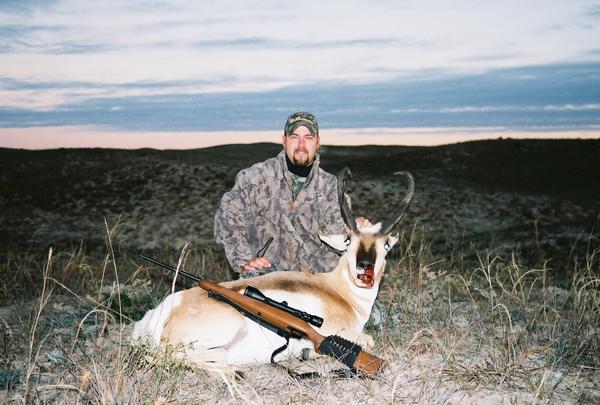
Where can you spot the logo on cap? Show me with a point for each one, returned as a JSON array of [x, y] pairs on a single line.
[[301, 119]]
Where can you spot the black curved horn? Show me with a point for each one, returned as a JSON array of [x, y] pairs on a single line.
[[344, 207], [389, 224]]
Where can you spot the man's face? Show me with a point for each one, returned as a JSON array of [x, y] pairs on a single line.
[[301, 146]]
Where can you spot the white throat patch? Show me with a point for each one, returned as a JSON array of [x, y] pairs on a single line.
[[375, 228]]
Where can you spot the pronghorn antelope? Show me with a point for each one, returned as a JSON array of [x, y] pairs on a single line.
[[217, 335]]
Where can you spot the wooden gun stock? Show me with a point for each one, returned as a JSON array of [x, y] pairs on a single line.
[[345, 351]]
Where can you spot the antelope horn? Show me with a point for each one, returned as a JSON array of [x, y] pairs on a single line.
[[389, 224], [346, 211]]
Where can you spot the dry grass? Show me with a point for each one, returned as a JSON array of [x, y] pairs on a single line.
[[468, 327]]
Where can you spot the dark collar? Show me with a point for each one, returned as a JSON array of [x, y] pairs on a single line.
[[302, 171]]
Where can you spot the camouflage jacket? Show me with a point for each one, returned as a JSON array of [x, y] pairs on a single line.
[[260, 206]]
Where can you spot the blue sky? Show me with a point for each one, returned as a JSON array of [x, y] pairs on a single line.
[[236, 65]]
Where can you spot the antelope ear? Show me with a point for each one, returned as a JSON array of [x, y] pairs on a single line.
[[338, 242], [391, 241]]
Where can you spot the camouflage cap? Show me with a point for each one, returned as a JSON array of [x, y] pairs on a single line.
[[301, 119]]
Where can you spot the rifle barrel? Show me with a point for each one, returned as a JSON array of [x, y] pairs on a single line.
[[169, 267]]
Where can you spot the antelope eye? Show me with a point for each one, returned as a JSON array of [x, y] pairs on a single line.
[[347, 241]]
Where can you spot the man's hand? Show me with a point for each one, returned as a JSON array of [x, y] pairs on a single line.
[[256, 264]]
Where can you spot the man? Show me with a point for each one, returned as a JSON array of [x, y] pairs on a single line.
[[288, 198]]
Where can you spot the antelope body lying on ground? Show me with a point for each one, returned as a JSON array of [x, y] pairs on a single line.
[[217, 335]]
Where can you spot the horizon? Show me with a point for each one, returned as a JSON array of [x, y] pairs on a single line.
[[47, 139], [112, 70]]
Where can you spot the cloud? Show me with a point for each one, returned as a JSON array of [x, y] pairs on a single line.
[[15, 38], [47, 96], [557, 96], [235, 42], [66, 52], [495, 109], [592, 11], [47, 39], [256, 43], [491, 57], [25, 7]]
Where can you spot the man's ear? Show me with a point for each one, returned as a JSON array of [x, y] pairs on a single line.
[[338, 242]]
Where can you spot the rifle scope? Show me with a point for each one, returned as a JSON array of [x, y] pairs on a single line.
[[259, 296]]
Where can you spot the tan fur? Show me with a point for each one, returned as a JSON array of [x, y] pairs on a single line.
[[318, 284], [197, 308], [216, 335]]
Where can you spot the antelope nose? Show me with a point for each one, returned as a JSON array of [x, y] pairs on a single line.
[[365, 264]]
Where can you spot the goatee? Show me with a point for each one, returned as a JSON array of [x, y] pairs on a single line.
[[300, 158]]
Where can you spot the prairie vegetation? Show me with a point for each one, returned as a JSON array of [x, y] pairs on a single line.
[[491, 296]]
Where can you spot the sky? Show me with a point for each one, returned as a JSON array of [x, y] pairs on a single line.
[[131, 73]]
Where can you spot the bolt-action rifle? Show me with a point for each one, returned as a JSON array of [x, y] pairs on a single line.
[[287, 322]]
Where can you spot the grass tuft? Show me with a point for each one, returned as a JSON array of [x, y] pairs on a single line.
[[469, 325]]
